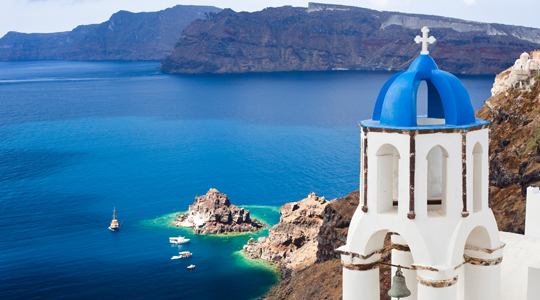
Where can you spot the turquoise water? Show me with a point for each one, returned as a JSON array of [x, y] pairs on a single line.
[[77, 138]]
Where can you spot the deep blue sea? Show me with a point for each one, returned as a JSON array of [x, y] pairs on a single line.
[[79, 138]]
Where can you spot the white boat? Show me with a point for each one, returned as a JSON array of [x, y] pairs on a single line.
[[185, 254], [114, 223], [178, 240], [175, 257], [191, 267]]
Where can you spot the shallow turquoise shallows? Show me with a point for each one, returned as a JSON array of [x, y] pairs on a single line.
[[79, 138]]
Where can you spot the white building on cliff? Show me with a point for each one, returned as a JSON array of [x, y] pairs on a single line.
[[523, 69], [425, 182]]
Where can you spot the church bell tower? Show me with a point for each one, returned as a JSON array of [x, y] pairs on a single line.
[[424, 182]]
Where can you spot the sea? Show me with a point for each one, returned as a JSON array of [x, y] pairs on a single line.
[[79, 139]]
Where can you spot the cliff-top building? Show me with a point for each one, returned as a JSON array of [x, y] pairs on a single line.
[[425, 182], [524, 69]]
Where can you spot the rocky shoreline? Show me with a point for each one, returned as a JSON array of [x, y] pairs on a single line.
[[303, 244], [292, 242], [214, 214]]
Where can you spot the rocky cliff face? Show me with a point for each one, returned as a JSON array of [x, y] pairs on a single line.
[[214, 214], [331, 37], [318, 281], [125, 36], [293, 241], [515, 150], [335, 226]]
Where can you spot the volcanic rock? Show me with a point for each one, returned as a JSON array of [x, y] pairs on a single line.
[[320, 276], [333, 37], [515, 150], [336, 219], [292, 242], [214, 214]]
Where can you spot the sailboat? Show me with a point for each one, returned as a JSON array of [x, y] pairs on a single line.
[[114, 223]]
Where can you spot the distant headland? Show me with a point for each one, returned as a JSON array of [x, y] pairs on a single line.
[[125, 36], [321, 37]]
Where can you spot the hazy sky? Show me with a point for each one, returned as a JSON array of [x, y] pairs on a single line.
[[64, 15]]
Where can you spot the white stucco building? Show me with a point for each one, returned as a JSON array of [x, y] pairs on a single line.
[[523, 69], [424, 180]]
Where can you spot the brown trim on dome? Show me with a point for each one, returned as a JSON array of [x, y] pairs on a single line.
[[424, 131]]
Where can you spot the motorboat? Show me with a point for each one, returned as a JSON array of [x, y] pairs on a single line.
[[114, 223], [191, 267], [185, 254], [178, 240], [176, 257]]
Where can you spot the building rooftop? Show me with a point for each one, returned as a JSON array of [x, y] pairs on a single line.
[[449, 104]]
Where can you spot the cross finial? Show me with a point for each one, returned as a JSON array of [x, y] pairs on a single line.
[[424, 40]]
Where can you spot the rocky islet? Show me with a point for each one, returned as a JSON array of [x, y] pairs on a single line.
[[213, 213]]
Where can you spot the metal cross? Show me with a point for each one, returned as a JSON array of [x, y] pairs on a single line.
[[424, 40]]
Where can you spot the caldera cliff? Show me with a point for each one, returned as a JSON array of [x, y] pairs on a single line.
[[515, 150], [214, 214], [325, 37], [125, 36]]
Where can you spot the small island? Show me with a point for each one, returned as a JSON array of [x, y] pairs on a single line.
[[214, 214]]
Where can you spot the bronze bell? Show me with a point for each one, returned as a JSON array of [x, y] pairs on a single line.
[[399, 287]]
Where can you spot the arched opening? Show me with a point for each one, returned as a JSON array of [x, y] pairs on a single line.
[[437, 179], [401, 255], [395, 250], [387, 178], [477, 177], [428, 104], [476, 281], [479, 237], [422, 98]]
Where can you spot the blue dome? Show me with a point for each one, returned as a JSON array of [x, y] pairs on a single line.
[[448, 99]]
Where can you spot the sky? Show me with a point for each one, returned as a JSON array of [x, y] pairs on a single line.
[[63, 15]]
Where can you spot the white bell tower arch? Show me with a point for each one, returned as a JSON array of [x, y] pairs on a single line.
[[424, 181]]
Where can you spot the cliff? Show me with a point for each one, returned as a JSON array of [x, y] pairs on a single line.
[[335, 226], [331, 37], [214, 214], [319, 281], [292, 242], [125, 36], [515, 150]]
